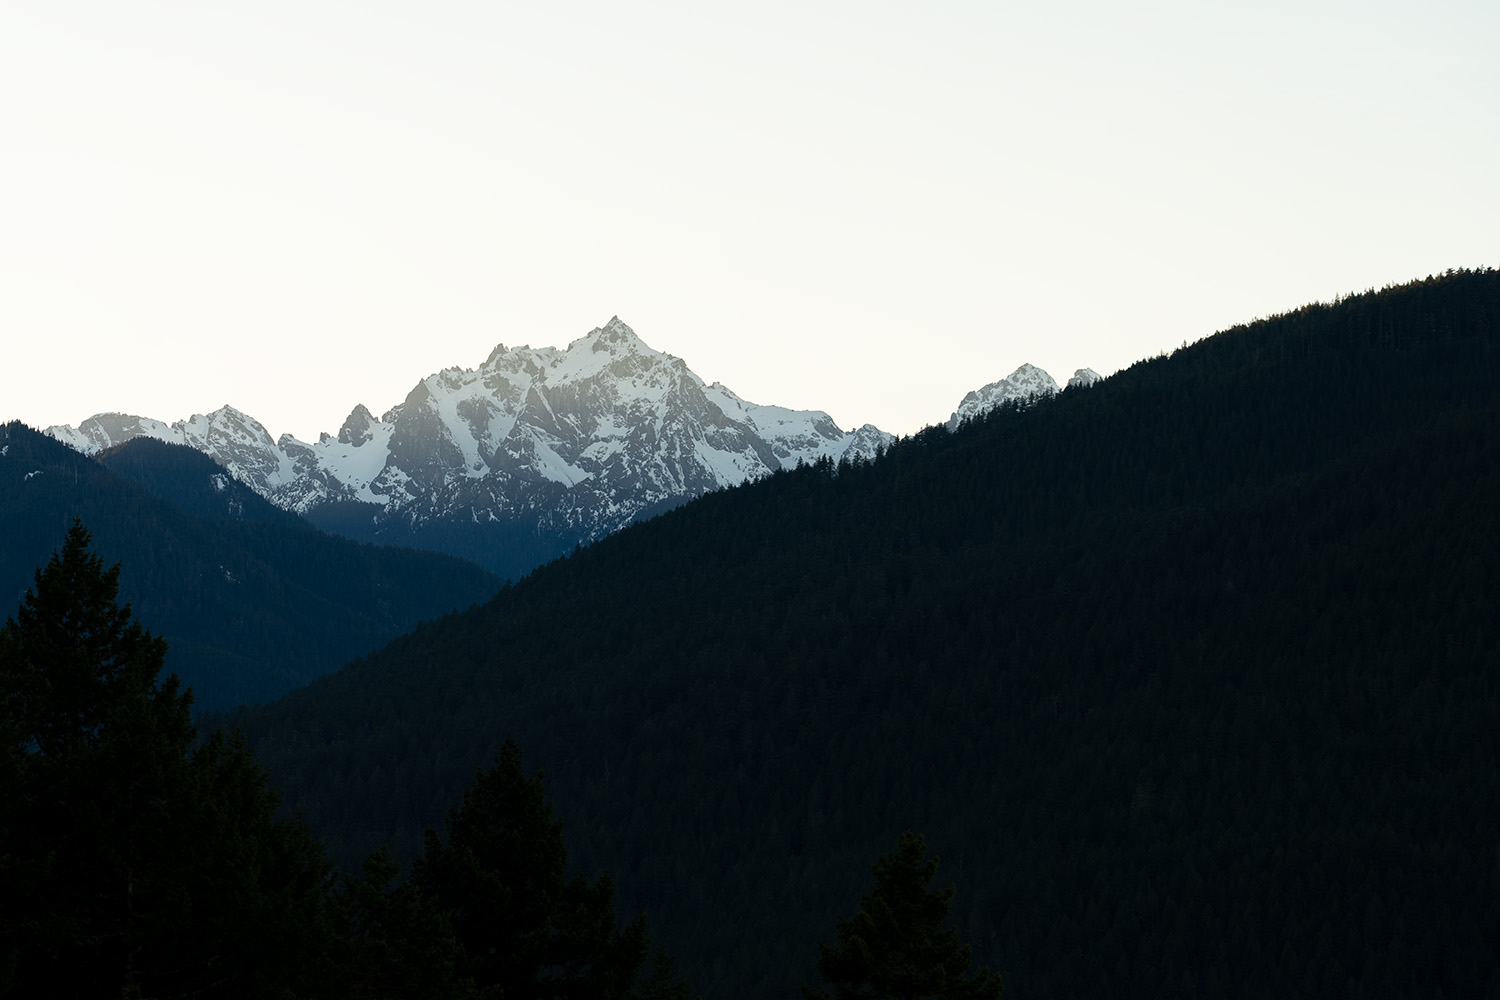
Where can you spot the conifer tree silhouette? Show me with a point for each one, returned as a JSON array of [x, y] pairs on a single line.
[[896, 947]]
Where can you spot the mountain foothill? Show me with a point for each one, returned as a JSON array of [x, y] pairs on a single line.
[[1187, 675], [253, 600]]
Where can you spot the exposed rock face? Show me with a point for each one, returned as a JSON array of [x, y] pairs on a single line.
[[358, 427]]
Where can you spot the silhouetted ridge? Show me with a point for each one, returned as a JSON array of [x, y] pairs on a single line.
[[1189, 678]]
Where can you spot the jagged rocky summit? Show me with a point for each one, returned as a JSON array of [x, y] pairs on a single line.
[[558, 446], [1026, 382]]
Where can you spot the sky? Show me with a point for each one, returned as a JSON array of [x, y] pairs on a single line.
[[866, 208]]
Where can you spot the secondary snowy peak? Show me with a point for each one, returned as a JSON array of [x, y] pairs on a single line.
[[233, 439], [105, 430], [1026, 382]]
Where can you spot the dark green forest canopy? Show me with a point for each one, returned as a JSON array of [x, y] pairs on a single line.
[[1189, 677], [252, 600]]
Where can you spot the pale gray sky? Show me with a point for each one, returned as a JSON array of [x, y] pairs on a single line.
[[868, 208]]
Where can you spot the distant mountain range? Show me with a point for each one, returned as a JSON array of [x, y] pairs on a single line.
[[512, 463], [533, 452]]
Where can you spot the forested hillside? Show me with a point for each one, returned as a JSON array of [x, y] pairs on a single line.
[[192, 482], [140, 861], [1190, 679], [252, 601]]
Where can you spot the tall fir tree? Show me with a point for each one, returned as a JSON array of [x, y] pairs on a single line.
[[526, 930], [896, 947], [396, 943]]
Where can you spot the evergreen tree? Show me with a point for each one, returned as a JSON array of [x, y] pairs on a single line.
[[663, 983], [896, 946], [397, 944], [526, 931], [132, 864]]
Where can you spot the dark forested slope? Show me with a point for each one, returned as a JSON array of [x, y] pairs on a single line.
[[192, 482], [252, 601], [1190, 678]]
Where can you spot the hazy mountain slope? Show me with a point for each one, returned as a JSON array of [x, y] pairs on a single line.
[[252, 606], [1189, 679], [518, 460]]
